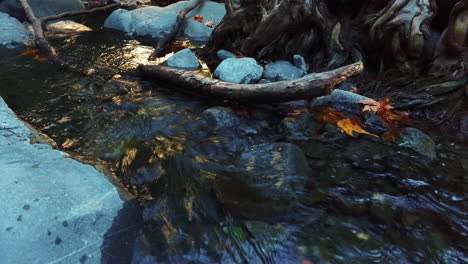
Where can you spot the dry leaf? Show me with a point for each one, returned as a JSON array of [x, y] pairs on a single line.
[[350, 125], [68, 143], [40, 58], [389, 136], [370, 105], [199, 18], [329, 115], [30, 52]]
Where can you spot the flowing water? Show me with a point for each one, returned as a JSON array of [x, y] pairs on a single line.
[[364, 202]]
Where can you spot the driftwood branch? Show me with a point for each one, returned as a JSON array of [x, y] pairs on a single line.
[[162, 45], [79, 13], [309, 86]]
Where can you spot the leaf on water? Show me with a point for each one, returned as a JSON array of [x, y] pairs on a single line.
[[40, 58], [329, 115], [30, 52], [199, 18], [350, 125]]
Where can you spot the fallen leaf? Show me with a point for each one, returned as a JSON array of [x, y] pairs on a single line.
[[296, 111], [30, 52], [40, 58], [64, 120], [389, 136], [370, 105], [210, 24], [329, 115], [199, 18], [350, 125]]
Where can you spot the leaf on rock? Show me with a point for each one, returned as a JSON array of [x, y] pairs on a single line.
[[199, 18], [40, 58], [329, 115], [210, 24], [350, 125], [370, 105], [383, 109], [68, 143]]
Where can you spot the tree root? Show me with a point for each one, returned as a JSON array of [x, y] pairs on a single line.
[[309, 86], [162, 45]]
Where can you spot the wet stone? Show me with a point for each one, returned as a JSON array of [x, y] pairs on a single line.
[[418, 141]]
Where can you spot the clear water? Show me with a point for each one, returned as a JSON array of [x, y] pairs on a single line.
[[364, 202]]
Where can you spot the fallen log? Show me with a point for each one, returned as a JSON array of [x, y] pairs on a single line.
[[307, 87]]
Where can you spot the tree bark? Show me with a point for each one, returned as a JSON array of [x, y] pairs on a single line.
[[307, 87]]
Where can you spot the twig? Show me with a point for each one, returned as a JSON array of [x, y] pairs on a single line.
[[79, 13], [162, 45]]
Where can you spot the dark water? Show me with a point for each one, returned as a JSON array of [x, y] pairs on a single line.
[[364, 201]]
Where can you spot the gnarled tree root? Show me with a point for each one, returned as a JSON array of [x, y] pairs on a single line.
[[309, 86]]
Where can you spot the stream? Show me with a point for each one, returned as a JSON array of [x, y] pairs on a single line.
[[363, 201]]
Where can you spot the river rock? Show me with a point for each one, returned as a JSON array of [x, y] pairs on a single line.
[[299, 127], [224, 54], [56, 209], [300, 63], [341, 100], [219, 118], [42, 8], [12, 33], [418, 141], [157, 22], [282, 70], [184, 60], [67, 27], [271, 178], [243, 70]]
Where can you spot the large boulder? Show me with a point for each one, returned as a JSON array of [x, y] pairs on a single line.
[[41, 8], [157, 22], [12, 33], [270, 180], [244, 70], [282, 70], [184, 60], [56, 209]]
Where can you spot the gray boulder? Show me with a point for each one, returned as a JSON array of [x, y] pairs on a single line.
[[42, 8], [157, 22], [224, 54], [282, 70], [56, 209], [219, 118], [300, 63], [416, 140], [243, 70], [273, 175], [12, 33], [184, 60], [341, 100]]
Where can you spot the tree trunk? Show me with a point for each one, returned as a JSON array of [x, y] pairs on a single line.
[[413, 36]]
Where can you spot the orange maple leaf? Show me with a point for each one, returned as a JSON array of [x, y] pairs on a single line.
[[30, 52], [329, 115], [350, 125], [40, 58], [385, 111], [199, 18]]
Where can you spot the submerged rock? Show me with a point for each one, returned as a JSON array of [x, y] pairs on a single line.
[[218, 118], [12, 33], [42, 8], [184, 60], [299, 127], [282, 70], [270, 179], [157, 22], [224, 54], [414, 139], [341, 100], [243, 70]]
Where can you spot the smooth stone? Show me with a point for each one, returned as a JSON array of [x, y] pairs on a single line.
[[12, 33], [67, 27], [243, 70], [56, 209], [418, 141], [300, 63], [42, 8], [340, 100], [184, 60], [218, 118], [224, 54], [157, 22], [282, 70]]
